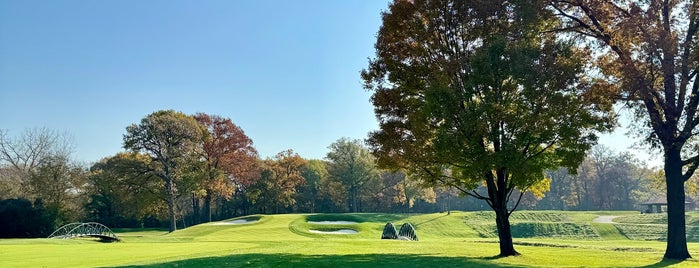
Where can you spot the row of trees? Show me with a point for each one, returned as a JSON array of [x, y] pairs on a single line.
[[192, 169], [125, 190], [37, 166]]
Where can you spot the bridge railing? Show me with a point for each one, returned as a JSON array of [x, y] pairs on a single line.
[[80, 229]]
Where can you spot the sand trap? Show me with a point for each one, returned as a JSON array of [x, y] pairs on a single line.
[[332, 222], [343, 231], [234, 222], [605, 219]]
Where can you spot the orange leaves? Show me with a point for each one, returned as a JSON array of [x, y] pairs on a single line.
[[228, 150]]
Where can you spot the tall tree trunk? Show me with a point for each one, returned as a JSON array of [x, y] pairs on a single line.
[[353, 199], [502, 219], [171, 204], [676, 228], [207, 206], [196, 210]]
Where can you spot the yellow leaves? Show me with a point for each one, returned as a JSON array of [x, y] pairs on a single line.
[[541, 187]]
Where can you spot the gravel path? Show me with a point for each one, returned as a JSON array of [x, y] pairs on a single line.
[[605, 219]]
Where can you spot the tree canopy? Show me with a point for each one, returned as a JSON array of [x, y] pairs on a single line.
[[229, 156], [471, 92], [170, 139], [351, 164], [648, 51]]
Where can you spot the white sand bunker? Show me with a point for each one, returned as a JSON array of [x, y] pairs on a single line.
[[342, 231], [332, 222], [234, 222]]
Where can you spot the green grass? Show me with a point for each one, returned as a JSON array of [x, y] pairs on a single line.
[[653, 227], [545, 224], [545, 239]]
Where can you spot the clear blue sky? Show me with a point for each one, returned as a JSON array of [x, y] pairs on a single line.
[[286, 72]]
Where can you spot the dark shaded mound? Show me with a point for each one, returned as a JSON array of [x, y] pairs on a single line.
[[389, 232], [407, 231]]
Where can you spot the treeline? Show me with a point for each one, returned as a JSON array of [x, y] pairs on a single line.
[[607, 180], [179, 170]]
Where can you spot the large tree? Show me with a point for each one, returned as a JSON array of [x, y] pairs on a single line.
[[229, 157], [171, 140], [471, 92], [351, 164], [314, 172], [279, 179], [60, 185], [22, 154], [649, 50], [124, 191]]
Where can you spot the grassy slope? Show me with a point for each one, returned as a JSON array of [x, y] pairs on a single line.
[[459, 239]]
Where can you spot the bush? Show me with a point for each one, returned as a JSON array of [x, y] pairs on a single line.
[[20, 219]]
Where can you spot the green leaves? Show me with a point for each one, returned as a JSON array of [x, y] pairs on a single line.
[[467, 91]]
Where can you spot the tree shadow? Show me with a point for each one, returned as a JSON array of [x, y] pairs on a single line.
[[669, 262], [345, 261], [430, 220], [380, 217]]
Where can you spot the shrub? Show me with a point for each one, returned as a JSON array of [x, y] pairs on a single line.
[[22, 220]]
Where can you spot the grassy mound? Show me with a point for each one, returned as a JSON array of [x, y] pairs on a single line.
[[334, 217], [653, 227], [528, 224]]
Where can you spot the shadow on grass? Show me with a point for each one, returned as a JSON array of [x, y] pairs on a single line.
[[383, 218], [430, 220], [344, 261], [669, 262]]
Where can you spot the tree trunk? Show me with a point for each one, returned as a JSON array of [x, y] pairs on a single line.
[[353, 199], [196, 210], [676, 228], [171, 204], [504, 232], [207, 206]]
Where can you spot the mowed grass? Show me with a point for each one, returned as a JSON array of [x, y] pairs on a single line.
[[460, 239]]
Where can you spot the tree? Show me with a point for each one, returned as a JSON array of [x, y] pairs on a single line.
[[327, 194], [124, 191], [471, 92], [21, 155], [229, 156], [411, 190], [649, 50], [560, 195], [617, 177], [170, 139], [61, 187], [351, 163], [22, 220], [279, 179], [314, 172], [604, 181]]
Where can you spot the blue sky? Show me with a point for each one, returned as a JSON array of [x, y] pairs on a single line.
[[286, 72]]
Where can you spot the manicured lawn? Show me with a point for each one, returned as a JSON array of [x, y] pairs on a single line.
[[545, 239]]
